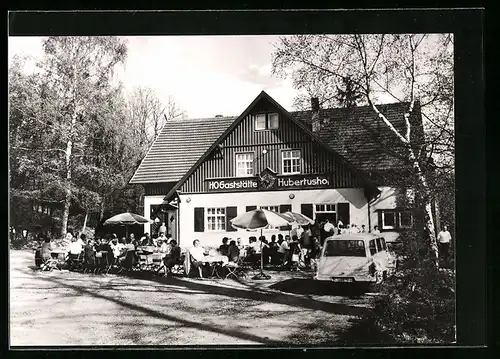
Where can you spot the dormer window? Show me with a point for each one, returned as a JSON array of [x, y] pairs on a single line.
[[269, 121]]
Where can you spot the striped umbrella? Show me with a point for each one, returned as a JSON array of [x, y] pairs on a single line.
[[298, 217]]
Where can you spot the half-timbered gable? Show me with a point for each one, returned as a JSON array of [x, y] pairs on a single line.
[[266, 137]]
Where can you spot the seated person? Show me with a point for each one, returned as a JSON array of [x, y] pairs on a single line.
[[174, 257], [128, 247], [105, 247], [169, 238], [83, 239], [146, 240], [165, 247], [233, 252], [197, 254], [161, 238], [117, 246], [75, 249], [89, 252], [224, 246], [46, 249]]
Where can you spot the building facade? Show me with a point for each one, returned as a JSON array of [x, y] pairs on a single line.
[[200, 174]]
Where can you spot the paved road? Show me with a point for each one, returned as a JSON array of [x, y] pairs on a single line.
[[65, 308]]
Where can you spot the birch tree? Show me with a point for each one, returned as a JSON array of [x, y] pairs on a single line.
[[148, 113], [402, 68]]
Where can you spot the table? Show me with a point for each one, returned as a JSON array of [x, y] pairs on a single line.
[[216, 262], [58, 254]]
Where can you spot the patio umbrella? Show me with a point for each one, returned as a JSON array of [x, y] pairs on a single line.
[[259, 219], [298, 217], [127, 219]]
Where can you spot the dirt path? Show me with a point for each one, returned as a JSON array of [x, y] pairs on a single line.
[[66, 308]]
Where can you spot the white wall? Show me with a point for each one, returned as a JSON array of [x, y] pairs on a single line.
[[358, 209]]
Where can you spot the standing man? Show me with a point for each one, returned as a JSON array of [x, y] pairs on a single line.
[[163, 228], [375, 230], [444, 238]]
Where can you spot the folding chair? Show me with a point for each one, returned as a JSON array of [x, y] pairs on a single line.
[[49, 264]]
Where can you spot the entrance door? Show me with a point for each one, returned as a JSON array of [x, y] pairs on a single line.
[[325, 211]]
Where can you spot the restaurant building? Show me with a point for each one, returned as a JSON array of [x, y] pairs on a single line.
[[324, 163]]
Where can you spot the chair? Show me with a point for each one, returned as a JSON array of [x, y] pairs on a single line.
[[128, 263], [235, 271], [190, 261], [75, 262], [49, 264]]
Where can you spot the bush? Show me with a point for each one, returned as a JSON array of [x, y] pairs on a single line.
[[418, 302]]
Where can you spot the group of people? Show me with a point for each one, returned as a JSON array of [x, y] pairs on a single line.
[[115, 250]]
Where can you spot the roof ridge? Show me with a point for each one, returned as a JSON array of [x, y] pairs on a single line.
[[354, 107]]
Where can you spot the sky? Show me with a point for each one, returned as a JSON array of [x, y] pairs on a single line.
[[205, 75]]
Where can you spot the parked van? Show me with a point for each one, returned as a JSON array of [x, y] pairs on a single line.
[[354, 258]]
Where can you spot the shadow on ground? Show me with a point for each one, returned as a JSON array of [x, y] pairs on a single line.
[[310, 286]]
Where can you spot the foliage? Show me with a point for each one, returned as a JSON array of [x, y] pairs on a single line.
[[73, 143], [414, 69], [418, 302]]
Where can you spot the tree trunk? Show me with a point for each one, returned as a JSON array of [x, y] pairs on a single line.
[[437, 213], [428, 218], [85, 221], [101, 213], [67, 200]]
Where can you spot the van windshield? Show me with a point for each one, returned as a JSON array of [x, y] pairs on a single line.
[[351, 248]]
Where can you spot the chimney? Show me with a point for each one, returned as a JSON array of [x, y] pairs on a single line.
[[316, 122], [315, 104]]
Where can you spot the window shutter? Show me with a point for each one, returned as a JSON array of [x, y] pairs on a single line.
[[251, 208], [199, 219], [343, 213], [285, 208], [307, 210], [231, 212]]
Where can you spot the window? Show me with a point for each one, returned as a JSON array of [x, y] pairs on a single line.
[[267, 121], [244, 164], [388, 220], [345, 248], [405, 220], [384, 245], [291, 161], [396, 219], [260, 122], [271, 208], [379, 244], [373, 249], [216, 219], [325, 211], [273, 121]]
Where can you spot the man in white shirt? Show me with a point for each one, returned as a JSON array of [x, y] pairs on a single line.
[[75, 248], [444, 239], [198, 254], [256, 246], [375, 230], [328, 227]]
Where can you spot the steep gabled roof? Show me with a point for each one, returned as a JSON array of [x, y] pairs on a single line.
[[362, 137], [178, 146], [264, 95]]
